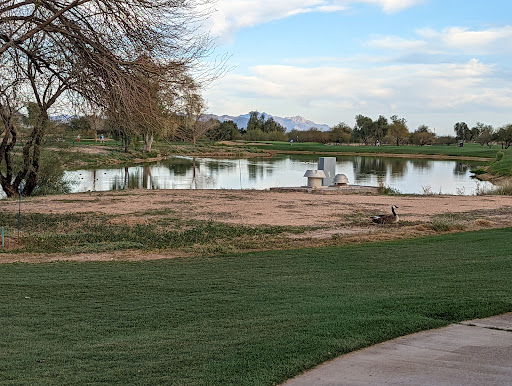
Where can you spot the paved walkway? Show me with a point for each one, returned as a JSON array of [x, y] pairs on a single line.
[[476, 352]]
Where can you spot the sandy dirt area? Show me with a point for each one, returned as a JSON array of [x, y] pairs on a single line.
[[341, 216]]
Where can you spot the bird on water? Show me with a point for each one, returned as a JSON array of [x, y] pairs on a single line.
[[386, 218]]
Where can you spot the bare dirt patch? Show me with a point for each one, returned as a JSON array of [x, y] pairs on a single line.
[[90, 149], [335, 218]]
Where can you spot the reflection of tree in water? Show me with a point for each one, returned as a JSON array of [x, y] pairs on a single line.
[[398, 166], [461, 168], [255, 170], [199, 180], [369, 165], [134, 178], [218, 166], [180, 166], [421, 164], [379, 167], [126, 181], [147, 178]]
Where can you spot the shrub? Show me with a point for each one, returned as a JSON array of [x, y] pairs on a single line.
[[387, 190], [445, 225]]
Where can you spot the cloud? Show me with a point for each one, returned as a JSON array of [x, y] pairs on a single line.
[[331, 94], [482, 41], [450, 40], [397, 43], [232, 15], [392, 6]]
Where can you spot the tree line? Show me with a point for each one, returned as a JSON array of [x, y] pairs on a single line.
[[191, 123], [392, 131]]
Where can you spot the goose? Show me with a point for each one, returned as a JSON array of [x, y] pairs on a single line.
[[386, 218]]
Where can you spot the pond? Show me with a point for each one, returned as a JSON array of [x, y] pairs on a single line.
[[417, 176]]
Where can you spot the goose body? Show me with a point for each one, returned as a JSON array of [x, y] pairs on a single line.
[[386, 218]]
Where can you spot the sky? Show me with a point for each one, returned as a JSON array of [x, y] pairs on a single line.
[[432, 62]]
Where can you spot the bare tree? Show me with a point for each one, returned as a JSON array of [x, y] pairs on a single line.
[[100, 51], [96, 122], [195, 123]]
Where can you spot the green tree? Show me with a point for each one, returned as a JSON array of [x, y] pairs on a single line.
[[260, 128], [398, 130], [341, 133], [486, 134], [423, 136], [446, 140], [462, 132], [256, 122], [224, 131], [80, 124], [270, 125], [380, 129], [504, 135], [310, 135], [363, 130], [475, 131]]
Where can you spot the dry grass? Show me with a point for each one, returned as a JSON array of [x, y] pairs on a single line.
[[323, 219]]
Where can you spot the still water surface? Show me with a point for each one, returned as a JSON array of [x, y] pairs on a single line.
[[406, 175]]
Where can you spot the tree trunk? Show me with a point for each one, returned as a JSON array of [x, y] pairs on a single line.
[[31, 180], [31, 155], [126, 142], [8, 143], [148, 142]]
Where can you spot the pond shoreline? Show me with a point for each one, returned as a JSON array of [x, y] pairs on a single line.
[[387, 155]]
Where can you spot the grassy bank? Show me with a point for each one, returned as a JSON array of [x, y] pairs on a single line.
[[469, 150], [498, 171], [502, 168], [88, 153], [144, 231], [253, 319]]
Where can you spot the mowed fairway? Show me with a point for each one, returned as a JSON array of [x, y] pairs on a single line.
[[246, 319]]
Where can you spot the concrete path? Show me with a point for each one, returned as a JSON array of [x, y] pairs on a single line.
[[476, 352]]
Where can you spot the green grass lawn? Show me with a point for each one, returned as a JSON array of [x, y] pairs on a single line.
[[469, 149], [502, 167], [247, 319]]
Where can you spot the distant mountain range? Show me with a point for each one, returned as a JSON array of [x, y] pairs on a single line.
[[291, 123]]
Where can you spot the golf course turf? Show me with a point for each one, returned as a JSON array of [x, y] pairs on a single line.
[[245, 319]]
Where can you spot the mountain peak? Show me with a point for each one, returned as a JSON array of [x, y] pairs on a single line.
[[296, 122]]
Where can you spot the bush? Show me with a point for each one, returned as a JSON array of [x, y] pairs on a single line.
[[51, 178], [446, 140], [259, 135], [387, 190], [499, 156], [446, 224]]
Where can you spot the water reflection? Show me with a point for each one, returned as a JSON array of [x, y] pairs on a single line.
[[405, 175], [255, 171], [461, 168], [131, 178], [373, 166], [421, 164]]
